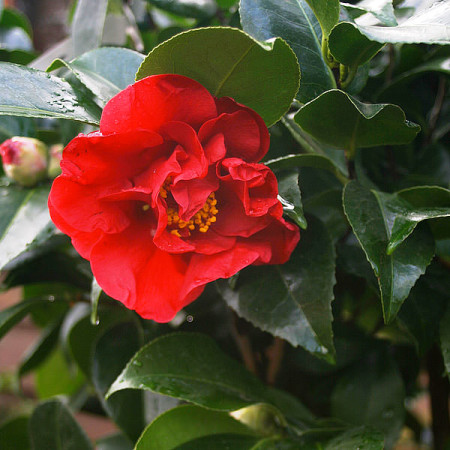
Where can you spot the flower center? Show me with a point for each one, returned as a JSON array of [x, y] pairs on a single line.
[[201, 220]]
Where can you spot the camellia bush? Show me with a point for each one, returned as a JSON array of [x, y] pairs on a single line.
[[245, 242]]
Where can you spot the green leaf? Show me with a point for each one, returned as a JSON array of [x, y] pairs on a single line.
[[412, 206], [53, 426], [429, 25], [350, 47], [41, 350], [223, 440], [294, 21], [200, 373], [100, 72], [14, 314], [441, 65], [80, 336], [112, 351], [327, 13], [55, 377], [96, 292], [114, 442], [14, 18], [290, 198], [381, 9], [87, 25], [425, 307], [307, 160], [327, 206], [228, 62], [445, 339], [186, 423], [16, 126], [371, 393], [14, 432], [20, 207], [349, 124], [197, 9], [362, 438], [289, 301], [32, 93], [371, 223]]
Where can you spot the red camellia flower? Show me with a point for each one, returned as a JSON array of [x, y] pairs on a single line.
[[168, 195]]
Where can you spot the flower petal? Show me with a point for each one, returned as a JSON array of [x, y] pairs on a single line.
[[245, 133], [131, 269], [155, 100], [82, 207], [95, 158]]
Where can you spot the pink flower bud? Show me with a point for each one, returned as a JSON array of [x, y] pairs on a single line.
[[55, 153], [24, 160]]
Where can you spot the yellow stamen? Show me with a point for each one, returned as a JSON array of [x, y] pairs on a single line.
[[201, 220]]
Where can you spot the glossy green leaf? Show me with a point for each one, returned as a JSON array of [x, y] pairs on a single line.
[[20, 207], [349, 124], [14, 432], [289, 301], [56, 377], [412, 206], [32, 93], [307, 160], [112, 351], [100, 72], [362, 438], [350, 47], [87, 25], [372, 223], [445, 339], [53, 426], [326, 12], [200, 373], [186, 423], [228, 62], [381, 9], [353, 44], [14, 314], [290, 198], [371, 393], [198, 9], [294, 21], [428, 25]]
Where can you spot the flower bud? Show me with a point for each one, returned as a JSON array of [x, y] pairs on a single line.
[[55, 153], [24, 160]]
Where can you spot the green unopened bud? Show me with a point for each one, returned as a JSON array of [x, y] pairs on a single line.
[[55, 154], [24, 160], [263, 418]]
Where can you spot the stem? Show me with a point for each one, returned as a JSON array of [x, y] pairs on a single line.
[[275, 355], [327, 56], [245, 347], [437, 107], [346, 75], [439, 389]]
